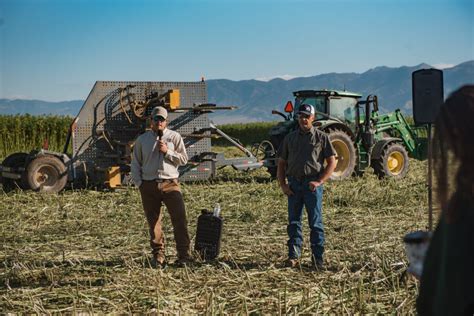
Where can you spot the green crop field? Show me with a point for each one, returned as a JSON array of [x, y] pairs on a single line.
[[27, 132], [87, 251]]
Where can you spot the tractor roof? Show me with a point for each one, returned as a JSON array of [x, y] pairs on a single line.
[[325, 92]]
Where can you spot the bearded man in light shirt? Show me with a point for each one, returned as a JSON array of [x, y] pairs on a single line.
[[157, 154]]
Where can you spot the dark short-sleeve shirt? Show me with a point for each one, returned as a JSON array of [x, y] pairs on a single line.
[[305, 153]]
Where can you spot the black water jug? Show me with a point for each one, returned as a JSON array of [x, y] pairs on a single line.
[[208, 235]]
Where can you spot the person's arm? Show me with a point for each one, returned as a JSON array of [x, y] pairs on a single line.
[[136, 164], [178, 156], [329, 155], [281, 176], [328, 170]]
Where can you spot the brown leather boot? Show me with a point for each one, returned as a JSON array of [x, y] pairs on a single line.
[[292, 263], [184, 260], [159, 260]]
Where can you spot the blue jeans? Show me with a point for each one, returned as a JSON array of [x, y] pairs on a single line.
[[303, 196]]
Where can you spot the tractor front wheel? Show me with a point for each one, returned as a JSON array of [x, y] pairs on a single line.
[[393, 162], [345, 154], [46, 174]]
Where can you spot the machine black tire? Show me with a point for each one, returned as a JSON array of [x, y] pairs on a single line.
[[14, 160], [46, 174], [265, 150], [393, 162], [345, 154]]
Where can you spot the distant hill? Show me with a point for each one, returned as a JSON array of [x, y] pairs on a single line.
[[38, 107], [255, 99]]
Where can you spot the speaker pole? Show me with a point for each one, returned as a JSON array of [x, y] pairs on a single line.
[[427, 96], [430, 180]]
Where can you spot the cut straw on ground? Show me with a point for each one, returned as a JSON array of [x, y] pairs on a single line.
[[87, 251]]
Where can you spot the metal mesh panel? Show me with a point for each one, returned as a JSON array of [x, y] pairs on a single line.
[[108, 124]]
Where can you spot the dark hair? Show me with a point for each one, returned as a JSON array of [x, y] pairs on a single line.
[[453, 150]]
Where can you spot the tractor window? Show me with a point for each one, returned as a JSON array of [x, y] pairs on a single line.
[[319, 103], [343, 108]]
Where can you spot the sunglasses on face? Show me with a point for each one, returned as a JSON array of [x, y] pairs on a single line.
[[158, 119], [303, 116]]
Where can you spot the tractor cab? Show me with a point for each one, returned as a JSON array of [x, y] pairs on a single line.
[[339, 105]]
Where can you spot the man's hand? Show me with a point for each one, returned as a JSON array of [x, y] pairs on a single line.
[[163, 147], [286, 189], [314, 184]]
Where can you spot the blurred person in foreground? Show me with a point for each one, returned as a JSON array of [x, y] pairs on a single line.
[[447, 281], [157, 154], [301, 159]]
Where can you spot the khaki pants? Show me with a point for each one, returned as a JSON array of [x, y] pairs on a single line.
[[168, 192]]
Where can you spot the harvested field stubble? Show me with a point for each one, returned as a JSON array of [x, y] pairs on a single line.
[[87, 251]]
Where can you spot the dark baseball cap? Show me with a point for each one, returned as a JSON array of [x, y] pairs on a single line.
[[307, 109]]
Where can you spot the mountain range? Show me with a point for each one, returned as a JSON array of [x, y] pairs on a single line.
[[256, 99]]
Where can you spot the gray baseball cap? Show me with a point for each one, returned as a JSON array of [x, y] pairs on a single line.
[[159, 111]]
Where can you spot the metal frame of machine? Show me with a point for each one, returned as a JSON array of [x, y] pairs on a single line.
[[103, 133]]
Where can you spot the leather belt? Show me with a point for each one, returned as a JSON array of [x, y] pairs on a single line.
[[160, 180], [305, 178]]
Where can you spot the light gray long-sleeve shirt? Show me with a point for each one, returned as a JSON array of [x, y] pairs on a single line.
[[148, 163]]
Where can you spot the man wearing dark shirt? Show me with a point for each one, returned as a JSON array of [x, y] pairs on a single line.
[[301, 160]]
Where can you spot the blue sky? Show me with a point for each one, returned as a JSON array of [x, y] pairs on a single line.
[[55, 50]]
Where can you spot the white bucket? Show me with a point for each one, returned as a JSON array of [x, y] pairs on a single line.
[[416, 245]]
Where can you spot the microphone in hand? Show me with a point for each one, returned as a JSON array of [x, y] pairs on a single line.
[[158, 139]]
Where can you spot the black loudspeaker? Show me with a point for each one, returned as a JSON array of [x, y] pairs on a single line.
[[427, 93]]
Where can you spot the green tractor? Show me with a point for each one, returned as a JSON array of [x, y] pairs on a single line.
[[361, 136]]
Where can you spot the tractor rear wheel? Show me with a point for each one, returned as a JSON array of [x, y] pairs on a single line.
[[393, 162], [46, 174], [345, 154], [15, 160]]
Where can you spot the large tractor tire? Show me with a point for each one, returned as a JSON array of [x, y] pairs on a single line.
[[345, 154], [393, 162], [46, 174], [15, 160]]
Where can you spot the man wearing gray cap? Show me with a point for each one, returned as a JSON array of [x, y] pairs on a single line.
[[157, 154], [302, 155]]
